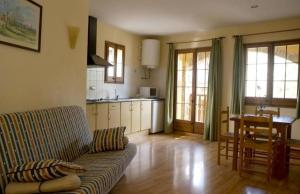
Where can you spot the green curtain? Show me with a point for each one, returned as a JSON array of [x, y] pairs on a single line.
[[298, 102], [169, 101], [238, 82], [214, 91]]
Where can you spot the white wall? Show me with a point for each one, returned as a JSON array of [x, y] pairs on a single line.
[[159, 75], [57, 75]]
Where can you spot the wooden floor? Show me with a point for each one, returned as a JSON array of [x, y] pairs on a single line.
[[167, 164]]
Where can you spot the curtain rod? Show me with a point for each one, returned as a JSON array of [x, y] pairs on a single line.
[[270, 32], [192, 41]]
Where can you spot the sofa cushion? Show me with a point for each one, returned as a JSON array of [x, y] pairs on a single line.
[[104, 170], [61, 133], [43, 170], [66, 183], [108, 140]]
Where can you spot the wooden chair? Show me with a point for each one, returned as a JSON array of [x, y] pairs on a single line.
[[225, 137], [250, 125], [294, 152]]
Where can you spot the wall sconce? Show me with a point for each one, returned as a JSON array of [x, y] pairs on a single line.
[[73, 35]]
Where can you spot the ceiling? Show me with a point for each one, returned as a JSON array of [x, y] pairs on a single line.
[[162, 17]]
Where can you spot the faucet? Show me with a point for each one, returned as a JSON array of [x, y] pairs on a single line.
[[116, 96]]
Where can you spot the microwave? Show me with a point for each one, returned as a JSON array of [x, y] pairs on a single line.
[[148, 92]]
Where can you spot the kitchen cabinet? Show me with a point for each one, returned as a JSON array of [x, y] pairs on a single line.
[[136, 116], [114, 115], [146, 115], [91, 113], [126, 118], [102, 116]]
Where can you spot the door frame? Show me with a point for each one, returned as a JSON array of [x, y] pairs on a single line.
[[183, 125]]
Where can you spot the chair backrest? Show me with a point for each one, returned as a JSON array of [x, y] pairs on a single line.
[[267, 111], [56, 133], [254, 124], [224, 121]]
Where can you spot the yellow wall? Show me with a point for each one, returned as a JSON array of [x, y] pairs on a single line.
[[228, 47], [133, 69], [57, 75]]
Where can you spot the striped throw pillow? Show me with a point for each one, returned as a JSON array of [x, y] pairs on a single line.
[[44, 170], [108, 140]]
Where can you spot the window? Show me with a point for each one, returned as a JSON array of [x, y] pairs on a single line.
[[272, 73], [114, 54]]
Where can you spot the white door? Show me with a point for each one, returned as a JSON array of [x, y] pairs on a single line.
[[114, 115], [91, 114], [136, 116], [126, 116], [102, 116], [146, 115]]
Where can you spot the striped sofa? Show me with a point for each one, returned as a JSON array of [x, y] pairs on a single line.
[[59, 133]]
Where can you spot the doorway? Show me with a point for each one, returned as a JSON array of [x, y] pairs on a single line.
[[191, 81]]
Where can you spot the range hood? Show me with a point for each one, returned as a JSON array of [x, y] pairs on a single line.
[[93, 60]]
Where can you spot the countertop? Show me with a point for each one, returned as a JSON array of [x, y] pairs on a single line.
[[99, 101]]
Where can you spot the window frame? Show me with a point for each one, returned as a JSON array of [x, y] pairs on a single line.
[[269, 100], [114, 79]]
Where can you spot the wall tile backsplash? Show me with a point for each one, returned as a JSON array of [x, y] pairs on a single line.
[[96, 88]]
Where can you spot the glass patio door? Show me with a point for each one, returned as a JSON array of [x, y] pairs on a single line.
[[191, 89]]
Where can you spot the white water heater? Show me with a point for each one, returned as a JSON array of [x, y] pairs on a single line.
[[151, 53]]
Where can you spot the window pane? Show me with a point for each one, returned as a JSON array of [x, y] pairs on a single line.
[[261, 88], [262, 72], [278, 89], [251, 55], [183, 112], [119, 63], [279, 71], [251, 72], [200, 108], [201, 60], [184, 78], [291, 89], [262, 55], [185, 61], [291, 71], [207, 54], [293, 53], [280, 54], [111, 55], [250, 88], [110, 71], [184, 94], [201, 78]]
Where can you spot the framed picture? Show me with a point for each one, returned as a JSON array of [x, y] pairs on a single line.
[[21, 24]]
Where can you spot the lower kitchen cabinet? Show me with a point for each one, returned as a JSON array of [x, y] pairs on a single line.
[[146, 107], [136, 116], [126, 120], [114, 115], [102, 116], [91, 114]]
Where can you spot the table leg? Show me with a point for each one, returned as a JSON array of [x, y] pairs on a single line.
[[235, 145]]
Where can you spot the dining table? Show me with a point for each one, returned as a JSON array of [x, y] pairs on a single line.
[[283, 125]]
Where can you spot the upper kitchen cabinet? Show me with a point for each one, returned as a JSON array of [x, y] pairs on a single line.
[[146, 115]]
